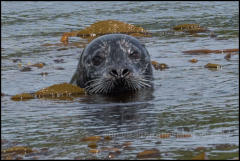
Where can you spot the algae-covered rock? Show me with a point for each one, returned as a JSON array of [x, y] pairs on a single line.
[[191, 28], [22, 97], [60, 90], [106, 27]]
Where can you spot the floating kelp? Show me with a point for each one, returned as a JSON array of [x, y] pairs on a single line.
[[201, 156], [16, 152], [22, 97], [159, 66], [94, 151], [80, 44], [213, 66], [92, 145], [207, 51], [164, 135], [152, 153], [39, 65], [193, 60], [60, 90], [107, 138], [183, 135], [91, 138], [191, 28], [106, 27]]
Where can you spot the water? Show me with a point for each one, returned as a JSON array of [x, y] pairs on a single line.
[[187, 98]]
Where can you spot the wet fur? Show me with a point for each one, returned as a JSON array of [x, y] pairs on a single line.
[[115, 48]]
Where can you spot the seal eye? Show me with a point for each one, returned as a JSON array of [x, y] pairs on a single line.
[[134, 54], [97, 60]]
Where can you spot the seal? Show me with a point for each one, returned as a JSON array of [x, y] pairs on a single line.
[[114, 63]]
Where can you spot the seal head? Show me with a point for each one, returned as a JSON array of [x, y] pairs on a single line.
[[113, 63]]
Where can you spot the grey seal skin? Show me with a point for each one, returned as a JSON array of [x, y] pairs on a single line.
[[114, 63]]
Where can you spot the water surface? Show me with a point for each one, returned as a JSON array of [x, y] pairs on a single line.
[[187, 98]]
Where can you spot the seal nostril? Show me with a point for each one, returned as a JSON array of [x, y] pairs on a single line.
[[114, 73], [125, 72]]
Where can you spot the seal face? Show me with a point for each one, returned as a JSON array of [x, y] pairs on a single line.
[[113, 63]]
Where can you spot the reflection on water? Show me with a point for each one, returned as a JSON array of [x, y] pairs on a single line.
[[187, 98]]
